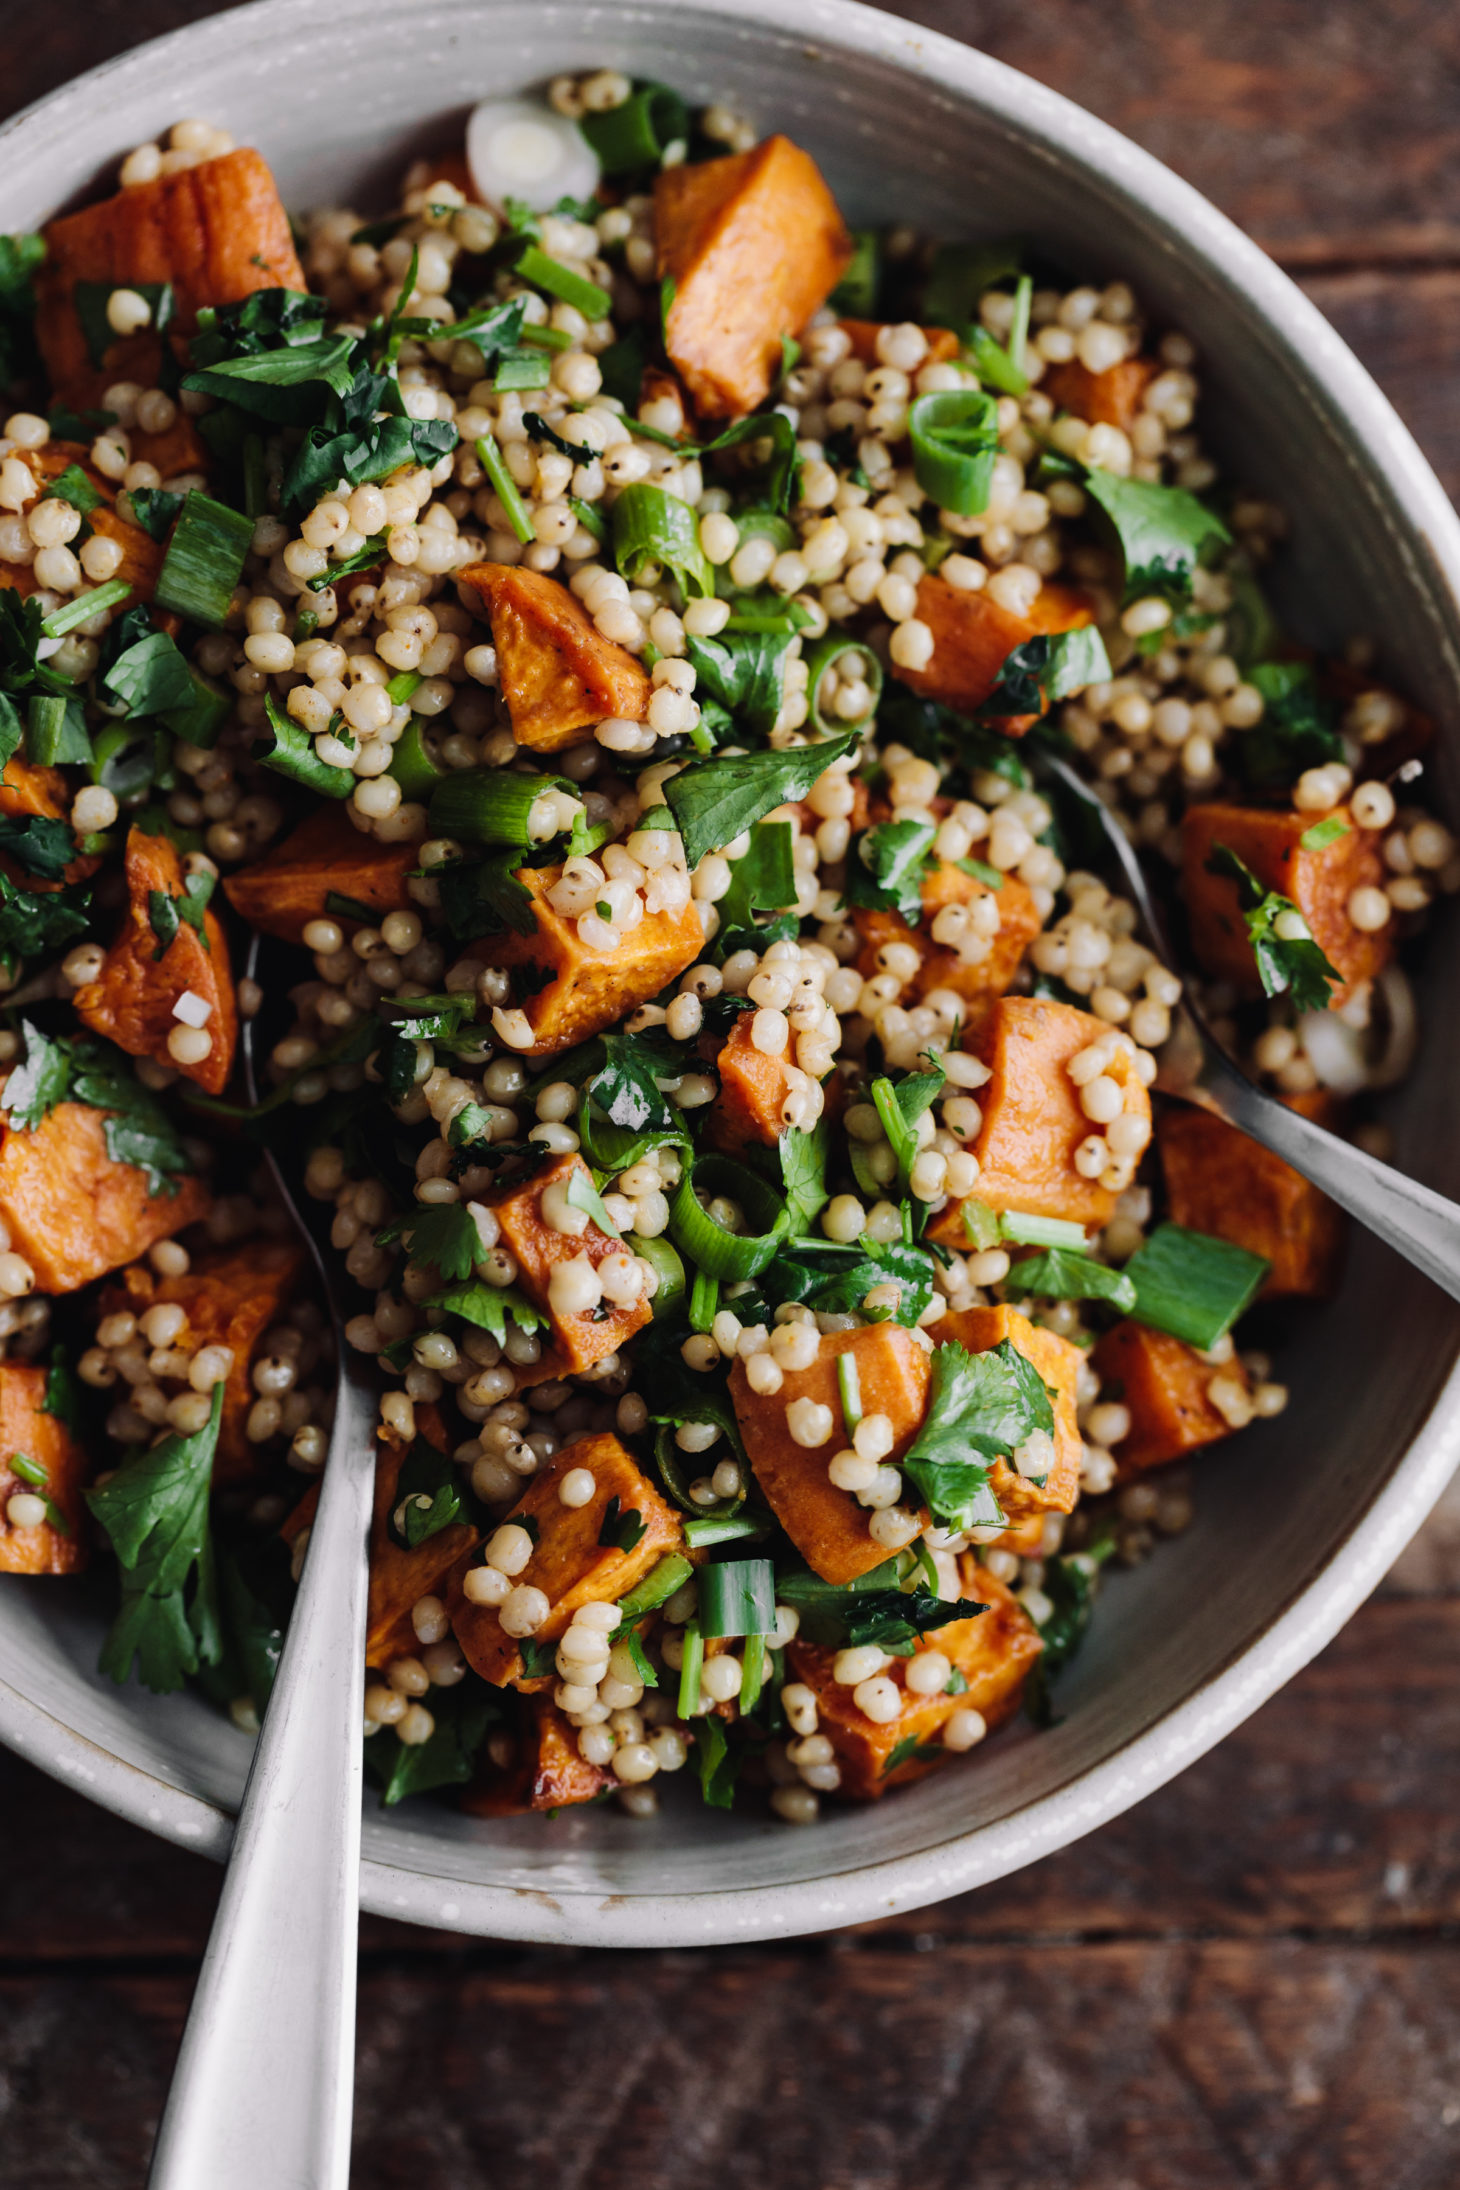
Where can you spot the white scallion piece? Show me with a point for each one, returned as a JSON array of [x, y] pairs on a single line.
[[194, 1011], [518, 149]]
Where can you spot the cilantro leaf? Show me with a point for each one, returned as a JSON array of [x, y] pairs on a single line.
[[35, 1086], [430, 1495], [32, 922], [717, 1763], [746, 672], [1049, 667], [490, 1307], [583, 1194], [763, 880], [156, 510], [74, 487], [803, 1172], [987, 1403], [43, 845], [1298, 730], [150, 677], [155, 1510], [1283, 949], [445, 1235], [873, 1609], [1059, 1274], [1163, 532], [838, 1282], [166, 913], [715, 801], [885, 868], [447, 1757], [484, 897], [626, 1085], [622, 1530]]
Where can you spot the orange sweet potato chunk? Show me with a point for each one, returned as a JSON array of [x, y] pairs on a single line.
[[399, 1578], [142, 556], [753, 1090], [1032, 1120], [535, 1766], [980, 984], [1111, 398], [862, 333], [578, 1340], [217, 232], [995, 1653], [827, 1526], [132, 999], [1220, 1183], [754, 245], [973, 637], [73, 1213], [1319, 882], [1164, 1383], [558, 673], [231, 1299], [1058, 1364], [26, 1428], [590, 989], [286, 889], [568, 1564]]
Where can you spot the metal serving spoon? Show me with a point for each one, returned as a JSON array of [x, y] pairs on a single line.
[[261, 2095], [1416, 1222]]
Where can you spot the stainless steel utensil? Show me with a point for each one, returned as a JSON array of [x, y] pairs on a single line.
[[1418, 1223], [261, 2094]]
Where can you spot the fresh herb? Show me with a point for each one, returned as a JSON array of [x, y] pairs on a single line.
[[155, 1510], [900, 1105], [79, 1068], [581, 1193], [166, 914], [653, 527], [73, 486], [91, 298], [1283, 948], [715, 801], [960, 274], [718, 1764], [803, 1157], [1061, 1275], [429, 1496], [763, 879], [622, 1530], [443, 1235], [955, 439], [1049, 667], [156, 510], [989, 1403], [447, 1758], [837, 1280], [1163, 532], [855, 295], [37, 1478], [41, 844], [912, 1749], [204, 560], [293, 754], [1191, 1285], [491, 1307], [1069, 1583], [149, 675], [745, 671], [63, 1391], [626, 1086], [1298, 730], [638, 133], [32, 922], [886, 865]]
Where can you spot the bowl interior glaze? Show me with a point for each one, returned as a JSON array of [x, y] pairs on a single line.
[[1298, 1519]]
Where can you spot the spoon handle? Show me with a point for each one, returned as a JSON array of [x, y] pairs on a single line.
[[261, 2095], [1412, 1219]]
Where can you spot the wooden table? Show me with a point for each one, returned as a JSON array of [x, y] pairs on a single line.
[[1249, 1981]]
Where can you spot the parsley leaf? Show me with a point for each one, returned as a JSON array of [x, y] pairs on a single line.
[[626, 1086], [32, 922], [622, 1531], [155, 1510], [79, 1069], [1051, 666], [803, 1172], [885, 868], [1286, 956], [150, 677], [491, 1307], [35, 1086], [715, 801], [430, 1495], [746, 672], [445, 1235], [1298, 730], [447, 1757], [1060, 1274], [838, 1281], [43, 845], [167, 914], [762, 880], [873, 1609], [987, 1403], [1163, 532]]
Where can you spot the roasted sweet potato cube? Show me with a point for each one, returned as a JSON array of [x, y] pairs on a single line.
[[28, 1430], [27, 788], [827, 1526], [995, 1653], [569, 1563], [231, 1299], [578, 1340], [1032, 1120], [862, 333], [286, 889], [589, 989], [1320, 883], [71, 1211], [753, 1090], [558, 673], [1220, 1183], [980, 982], [533, 1765], [142, 556], [1111, 398], [216, 232], [1058, 1364], [133, 999], [1164, 1383], [973, 638], [399, 1577], [754, 245]]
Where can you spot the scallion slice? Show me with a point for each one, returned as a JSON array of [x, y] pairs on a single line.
[[523, 372], [504, 486], [955, 439], [657, 1587], [703, 1529], [293, 755], [560, 281], [199, 720], [752, 1673], [691, 1666], [824, 655], [982, 1225], [204, 560], [55, 731], [650, 526], [665, 1258], [640, 132], [738, 1597], [722, 1254], [418, 775], [1191, 1285], [84, 607], [994, 366], [849, 1384], [589, 516], [1027, 1231], [704, 1301], [490, 805]]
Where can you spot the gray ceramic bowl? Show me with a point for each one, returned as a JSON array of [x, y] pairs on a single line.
[[1299, 1518]]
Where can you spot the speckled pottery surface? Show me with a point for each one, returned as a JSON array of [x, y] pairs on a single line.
[[1298, 1519]]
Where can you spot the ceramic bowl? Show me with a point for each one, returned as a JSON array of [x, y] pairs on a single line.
[[1297, 1519]]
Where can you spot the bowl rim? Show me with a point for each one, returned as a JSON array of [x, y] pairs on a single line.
[[1318, 1606]]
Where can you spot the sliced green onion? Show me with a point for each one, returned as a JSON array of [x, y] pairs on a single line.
[[547, 338], [704, 1301], [84, 607], [704, 1529], [640, 132], [855, 295], [994, 366], [1019, 326], [402, 685], [204, 561], [955, 438], [1191, 1285], [982, 1225], [200, 720], [1040, 1231], [660, 1584], [340, 907], [752, 1673], [293, 755], [504, 486], [418, 775], [738, 1597], [833, 648], [650, 526], [719, 1253], [850, 1386], [1060, 1275], [960, 274], [560, 281], [691, 1666], [1327, 831], [522, 371], [55, 731], [365, 558], [589, 516], [991, 877], [125, 757], [490, 805]]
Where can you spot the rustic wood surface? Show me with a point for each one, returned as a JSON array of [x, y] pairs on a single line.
[[1249, 1983]]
